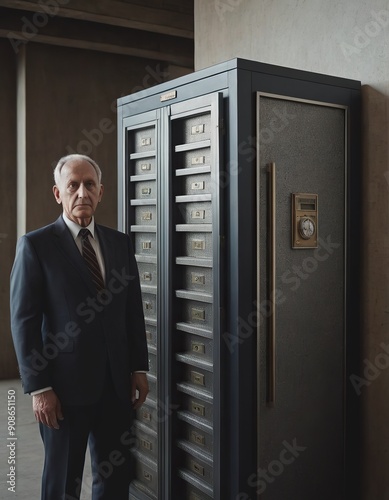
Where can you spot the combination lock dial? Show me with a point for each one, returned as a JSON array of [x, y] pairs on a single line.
[[306, 228]]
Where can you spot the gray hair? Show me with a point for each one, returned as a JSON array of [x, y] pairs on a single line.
[[73, 157]]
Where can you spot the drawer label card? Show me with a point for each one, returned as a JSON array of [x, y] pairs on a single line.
[[147, 475], [147, 215], [198, 408], [198, 347], [145, 166], [146, 191], [198, 214], [146, 415], [197, 378], [146, 245], [147, 276], [199, 185], [198, 129], [198, 160], [198, 244], [197, 468], [145, 141], [148, 305], [147, 445], [197, 438], [198, 314], [198, 279]]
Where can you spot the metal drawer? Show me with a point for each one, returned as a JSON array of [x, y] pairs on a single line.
[[196, 184], [193, 159], [197, 313], [151, 334], [146, 472], [197, 245], [197, 278], [196, 461], [198, 407], [197, 377], [194, 129], [144, 166], [192, 493], [149, 305], [148, 414], [152, 363], [146, 440], [146, 244], [196, 436], [196, 345], [195, 212], [153, 389], [147, 274], [143, 139], [145, 190], [146, 215]]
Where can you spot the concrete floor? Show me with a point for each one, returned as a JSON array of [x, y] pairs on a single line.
[[29, 449]]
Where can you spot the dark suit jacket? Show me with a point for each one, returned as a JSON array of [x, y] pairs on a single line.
[[63, 334]]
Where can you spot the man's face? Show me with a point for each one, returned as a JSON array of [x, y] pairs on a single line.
[[79, 191]]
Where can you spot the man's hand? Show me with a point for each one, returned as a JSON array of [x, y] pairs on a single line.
[[139, 381], [47, 409]]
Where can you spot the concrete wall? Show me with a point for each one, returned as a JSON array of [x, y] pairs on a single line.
[[7, 198], [348, 38]]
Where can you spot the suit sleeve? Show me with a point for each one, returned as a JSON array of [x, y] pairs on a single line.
[[135, 320], [27, 307]]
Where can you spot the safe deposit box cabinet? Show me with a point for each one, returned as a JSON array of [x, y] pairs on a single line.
[[239, 187]]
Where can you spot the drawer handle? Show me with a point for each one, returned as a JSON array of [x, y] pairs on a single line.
[[197, 378], [199, 409], [146, 415], [197, 438], [197, 468], [147, 445], [147, 475], [145, 141], [198, 347]]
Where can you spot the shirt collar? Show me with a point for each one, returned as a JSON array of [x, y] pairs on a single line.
[[75, 228]]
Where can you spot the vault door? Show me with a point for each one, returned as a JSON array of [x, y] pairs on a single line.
[[301, 289]]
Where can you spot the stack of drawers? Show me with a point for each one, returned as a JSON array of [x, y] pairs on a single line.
[[142, 169], [193, 190]]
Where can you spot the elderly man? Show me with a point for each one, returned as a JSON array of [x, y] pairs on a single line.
[[79, 335]]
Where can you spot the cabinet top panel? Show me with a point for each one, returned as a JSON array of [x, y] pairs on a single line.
[[240, 65]]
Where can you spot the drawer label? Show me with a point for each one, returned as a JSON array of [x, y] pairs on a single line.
[[145, 166], [145, 141], [197, 378], [198, 279], [200, 185], [146, 245], [198, 129], [198, 214], [198, 160], [198, 408], [198, 347], [198, 314], [198, 244], [147, 215], [197, 468], [197, 438]]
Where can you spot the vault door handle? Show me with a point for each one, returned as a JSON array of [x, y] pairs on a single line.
[[271, 340]]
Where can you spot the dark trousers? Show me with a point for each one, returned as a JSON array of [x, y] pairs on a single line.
[[106, 426]]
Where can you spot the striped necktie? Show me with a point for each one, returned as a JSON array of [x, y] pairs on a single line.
[[91, 260]]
